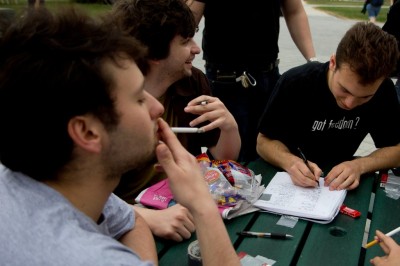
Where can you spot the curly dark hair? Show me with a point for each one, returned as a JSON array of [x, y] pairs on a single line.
[[52, 69], [155, 22]]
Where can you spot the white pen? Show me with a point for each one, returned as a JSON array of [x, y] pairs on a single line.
[[187, 130]]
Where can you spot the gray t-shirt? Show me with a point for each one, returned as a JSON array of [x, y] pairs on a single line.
[[38, 226]]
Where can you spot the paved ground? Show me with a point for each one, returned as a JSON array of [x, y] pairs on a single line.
[[326, 31]]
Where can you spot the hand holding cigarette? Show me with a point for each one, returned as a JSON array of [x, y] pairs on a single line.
[[390, 248], [212, 111], [212, 114]]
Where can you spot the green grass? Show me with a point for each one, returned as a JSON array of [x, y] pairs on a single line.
[[348, 9], [354, 12], [92, 9]]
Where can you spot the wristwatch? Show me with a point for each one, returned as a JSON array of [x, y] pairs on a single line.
[[312, 59]]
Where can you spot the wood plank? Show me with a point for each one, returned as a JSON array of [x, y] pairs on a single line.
[[340, 242], [385, 217], [281, 250], [176, 253]]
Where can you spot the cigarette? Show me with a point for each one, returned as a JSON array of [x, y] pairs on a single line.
[[187, 130], [203, 103]]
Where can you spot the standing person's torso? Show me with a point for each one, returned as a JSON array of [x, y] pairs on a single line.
[[241, 32]]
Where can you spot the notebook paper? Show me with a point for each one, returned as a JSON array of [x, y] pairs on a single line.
[[283, 197]]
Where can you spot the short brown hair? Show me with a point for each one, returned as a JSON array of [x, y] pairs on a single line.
[[369, 51]]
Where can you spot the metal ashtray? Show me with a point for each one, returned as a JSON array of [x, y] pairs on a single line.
[[194, 255]]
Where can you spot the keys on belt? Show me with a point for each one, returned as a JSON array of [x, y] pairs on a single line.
[[247, 80]]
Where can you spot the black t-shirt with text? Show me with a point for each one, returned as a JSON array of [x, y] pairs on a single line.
[[302, 112]]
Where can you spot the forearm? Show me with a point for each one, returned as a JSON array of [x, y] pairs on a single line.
[[274, 152], [140, 240], [147, 216], [215, 244], [187, 184], [299, 28], [384, 158], [228, 145], [197, 10]]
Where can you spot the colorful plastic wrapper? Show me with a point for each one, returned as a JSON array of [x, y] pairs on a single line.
[[229, 179]]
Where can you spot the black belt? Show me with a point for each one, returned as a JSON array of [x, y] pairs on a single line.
[[240, 68]]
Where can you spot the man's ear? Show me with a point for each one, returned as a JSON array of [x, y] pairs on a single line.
[[85, 131], [332, 62]]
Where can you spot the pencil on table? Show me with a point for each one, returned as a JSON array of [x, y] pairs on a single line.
[[374, 242]]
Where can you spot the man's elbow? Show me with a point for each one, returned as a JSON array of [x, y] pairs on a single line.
[[260, 143]]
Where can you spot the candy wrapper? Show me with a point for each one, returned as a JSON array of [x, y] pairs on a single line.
[[232, 180], [233, 186]]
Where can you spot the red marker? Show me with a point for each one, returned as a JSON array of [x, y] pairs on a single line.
[[350, 212]]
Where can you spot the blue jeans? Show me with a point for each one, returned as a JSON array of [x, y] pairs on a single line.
[[246, 104], [373, 11]]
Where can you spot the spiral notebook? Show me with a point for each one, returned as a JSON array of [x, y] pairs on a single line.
[[318, 204]]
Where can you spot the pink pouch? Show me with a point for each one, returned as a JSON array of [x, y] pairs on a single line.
[[158, 196]]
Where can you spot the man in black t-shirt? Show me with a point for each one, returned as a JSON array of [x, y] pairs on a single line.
[[326, 109]]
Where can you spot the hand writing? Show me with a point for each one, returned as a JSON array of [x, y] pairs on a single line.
[[304, 176]]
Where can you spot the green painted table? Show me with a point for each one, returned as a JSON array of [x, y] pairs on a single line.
[[336, 243], [385, 217]]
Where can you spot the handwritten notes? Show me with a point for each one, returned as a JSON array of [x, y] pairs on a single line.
[[283, 197]]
